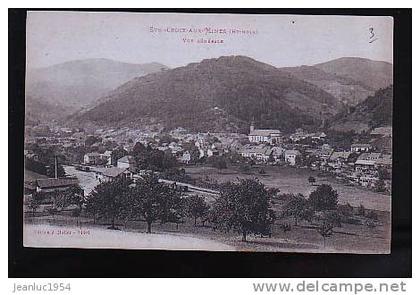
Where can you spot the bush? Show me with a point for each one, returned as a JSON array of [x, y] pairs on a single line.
[[217, 162], [324, 198], [372, 215], [345, 210], [361, 211]]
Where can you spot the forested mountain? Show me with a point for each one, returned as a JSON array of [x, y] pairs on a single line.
[[218, 94], [373, 112]]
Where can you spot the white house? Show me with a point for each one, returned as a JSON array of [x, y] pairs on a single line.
[[186, 157], [91, 158], [290, 156], [360, 147]]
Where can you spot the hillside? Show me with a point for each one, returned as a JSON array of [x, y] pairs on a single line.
[[346, 90], [373, 74], [224, 93], [37, 111], [373, 112], [349, 79], [75, 84]]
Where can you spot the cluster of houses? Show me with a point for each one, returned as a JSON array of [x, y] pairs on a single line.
[[358, 164]]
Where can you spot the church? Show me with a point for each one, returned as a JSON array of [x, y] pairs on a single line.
[[271, 136]]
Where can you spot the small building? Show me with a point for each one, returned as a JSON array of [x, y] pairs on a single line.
[[186, 157], [318, 136], [127, 162], [368, 181], [360, 147], [382, 131], [277, 153], [212, 152], [92, 158], [291, 156], [366, 162], [49, 185], [108, 174]]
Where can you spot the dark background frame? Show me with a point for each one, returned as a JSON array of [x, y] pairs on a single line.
[[36, 262]]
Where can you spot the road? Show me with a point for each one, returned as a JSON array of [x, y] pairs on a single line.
[[87, 180], [42, 236]]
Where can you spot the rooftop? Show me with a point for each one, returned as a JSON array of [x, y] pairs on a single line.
[[361, 145], [387, 130], [94, 154], [337, 155], [264, 132], [57, 182], [127, 159], [112, 172], [292, 152], [369, 156]]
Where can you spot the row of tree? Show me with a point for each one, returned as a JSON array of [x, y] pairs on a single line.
[[243, 207]]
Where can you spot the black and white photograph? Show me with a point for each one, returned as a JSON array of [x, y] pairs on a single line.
[[210, 132]]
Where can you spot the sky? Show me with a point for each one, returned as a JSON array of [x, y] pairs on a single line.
[[280, 40]]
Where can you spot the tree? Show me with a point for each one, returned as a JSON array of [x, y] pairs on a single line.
[[361, 211], [326, 230], [91, 139], [245, 207], [153, 159], [71, 196], [110, 200], [155, 201], [333, 217], [380, 186], [384, 174], [324, 198], [118, 154], [218, 162], [246, 168], [197, 208], [286, 227], [35, 202], [311, 180], [295, 207]]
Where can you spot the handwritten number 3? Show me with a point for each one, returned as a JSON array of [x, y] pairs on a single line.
[[372, 33]]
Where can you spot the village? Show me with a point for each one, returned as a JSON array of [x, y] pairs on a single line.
[[108, 152], [65, 168]]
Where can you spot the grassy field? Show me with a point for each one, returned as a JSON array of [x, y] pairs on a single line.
[[31, 176], [295, 180], [304, 237]]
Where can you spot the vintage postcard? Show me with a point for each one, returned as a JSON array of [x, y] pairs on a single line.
[[218, 132]]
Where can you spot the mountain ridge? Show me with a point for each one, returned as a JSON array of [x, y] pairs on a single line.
[[80, 83], [238, 87]]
